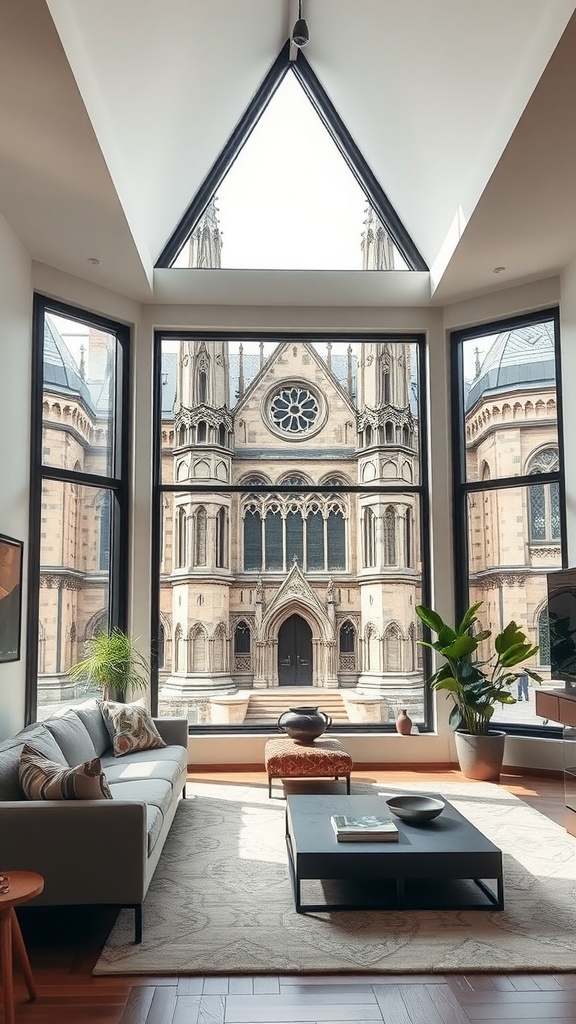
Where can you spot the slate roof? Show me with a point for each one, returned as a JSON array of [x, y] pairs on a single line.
[[520, 358]]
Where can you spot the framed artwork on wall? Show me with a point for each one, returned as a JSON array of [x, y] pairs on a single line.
[[11, 552]]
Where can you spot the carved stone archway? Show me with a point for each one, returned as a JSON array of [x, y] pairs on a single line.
[[295, 596]]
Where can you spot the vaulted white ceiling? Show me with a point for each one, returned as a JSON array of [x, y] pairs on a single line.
[[113, 111]]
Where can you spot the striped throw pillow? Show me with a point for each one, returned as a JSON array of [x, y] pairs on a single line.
[[42, 779]]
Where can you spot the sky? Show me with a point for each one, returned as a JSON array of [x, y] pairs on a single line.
[[290, 201]]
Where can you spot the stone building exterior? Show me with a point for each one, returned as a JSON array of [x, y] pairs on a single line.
[[285, 561], [297, 586]]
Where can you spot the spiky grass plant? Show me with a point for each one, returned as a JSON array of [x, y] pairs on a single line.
[[113, 664]]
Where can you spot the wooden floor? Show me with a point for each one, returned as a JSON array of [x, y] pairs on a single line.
[[64, 946]]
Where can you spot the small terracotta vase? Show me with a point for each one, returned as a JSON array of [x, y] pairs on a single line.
[[403, 723]]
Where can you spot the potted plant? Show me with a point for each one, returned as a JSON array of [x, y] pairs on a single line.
[[112, 664], [476, 685]]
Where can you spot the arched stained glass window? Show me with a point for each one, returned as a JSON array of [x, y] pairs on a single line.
[[347, 638], [544, 499], [336, 538], [315, 540], [252, 540], [390, 536], [200, 537], [242, 638], [181, 538], [104, 532], [409, 539], [294, 537], [369, 538], [274, 545], [221, 538]]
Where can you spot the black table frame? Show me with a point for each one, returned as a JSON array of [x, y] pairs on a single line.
[[447, 848]]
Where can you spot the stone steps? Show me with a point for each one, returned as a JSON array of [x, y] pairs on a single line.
[[268, 705]]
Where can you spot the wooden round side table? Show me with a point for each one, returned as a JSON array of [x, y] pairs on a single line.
[[24, 885]]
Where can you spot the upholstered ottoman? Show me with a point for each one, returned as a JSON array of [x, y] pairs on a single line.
[[324, 758]]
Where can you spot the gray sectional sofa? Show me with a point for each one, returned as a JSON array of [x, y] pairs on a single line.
[[92, 851]]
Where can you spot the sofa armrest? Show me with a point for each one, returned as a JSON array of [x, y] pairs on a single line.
[[173, 730], [88, 851]]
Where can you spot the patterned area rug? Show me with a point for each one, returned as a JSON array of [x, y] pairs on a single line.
[[221, 900]]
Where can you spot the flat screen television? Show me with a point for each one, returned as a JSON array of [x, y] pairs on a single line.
[[562, 627]]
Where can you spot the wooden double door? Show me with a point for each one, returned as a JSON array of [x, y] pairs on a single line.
[[295, 652]]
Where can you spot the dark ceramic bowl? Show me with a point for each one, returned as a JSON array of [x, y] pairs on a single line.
[[415, 808]]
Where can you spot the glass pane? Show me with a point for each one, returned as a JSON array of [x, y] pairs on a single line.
[[290, 173], [294, 538], [336, 540], [315, 541], [78, 401], [347, 626], [74, 585], [510, 403], [507, 572], [274, 543], [308, 410], [252, 540]]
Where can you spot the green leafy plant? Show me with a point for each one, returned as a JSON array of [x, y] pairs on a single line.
[[476, 686], [112, 664]]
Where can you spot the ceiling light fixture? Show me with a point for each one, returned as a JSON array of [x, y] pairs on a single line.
[[300, 34], [498, 270]]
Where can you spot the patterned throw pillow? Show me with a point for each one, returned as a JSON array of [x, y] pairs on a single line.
[[42, 779], [131, 728]]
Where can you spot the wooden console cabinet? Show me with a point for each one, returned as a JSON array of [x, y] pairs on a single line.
[[560, 706]]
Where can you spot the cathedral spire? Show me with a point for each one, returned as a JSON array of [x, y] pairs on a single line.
[[377, 244], [206, 240]]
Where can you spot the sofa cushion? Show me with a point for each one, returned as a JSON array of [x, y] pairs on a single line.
[[131, 728], [42, 779], [39, 737], [127, 769], [155, 792], [91, 716], [10, 750], [72, 737], [154, 822]]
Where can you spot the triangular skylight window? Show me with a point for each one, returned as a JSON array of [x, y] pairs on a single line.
[[291, 191]]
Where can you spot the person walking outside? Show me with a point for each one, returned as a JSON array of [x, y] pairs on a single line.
[[523, 686]]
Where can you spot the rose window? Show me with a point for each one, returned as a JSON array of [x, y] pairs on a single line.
[[294, 409]]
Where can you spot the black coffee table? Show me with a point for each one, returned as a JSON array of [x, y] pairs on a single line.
[[445, 849]]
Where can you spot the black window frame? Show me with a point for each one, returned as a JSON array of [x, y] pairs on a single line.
[[463, 488], [116, 484], [338, 131], [421, 489]]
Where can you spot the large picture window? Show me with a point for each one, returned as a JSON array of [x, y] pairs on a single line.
[[302, 476], [79, 496], [510, 485]]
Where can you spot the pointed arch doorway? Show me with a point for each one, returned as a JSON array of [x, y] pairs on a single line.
[[295, 652]]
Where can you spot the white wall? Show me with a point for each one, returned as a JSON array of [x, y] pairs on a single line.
[[436, 323], [15, 371]]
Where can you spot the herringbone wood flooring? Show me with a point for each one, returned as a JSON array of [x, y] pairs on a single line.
[[64, 945]]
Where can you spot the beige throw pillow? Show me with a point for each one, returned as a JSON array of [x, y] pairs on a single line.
[[131, 728], [42, 779]]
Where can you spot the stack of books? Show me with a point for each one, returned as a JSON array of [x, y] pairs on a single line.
[[367, 828]]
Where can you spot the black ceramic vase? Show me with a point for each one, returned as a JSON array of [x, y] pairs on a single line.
[[304, 724]]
